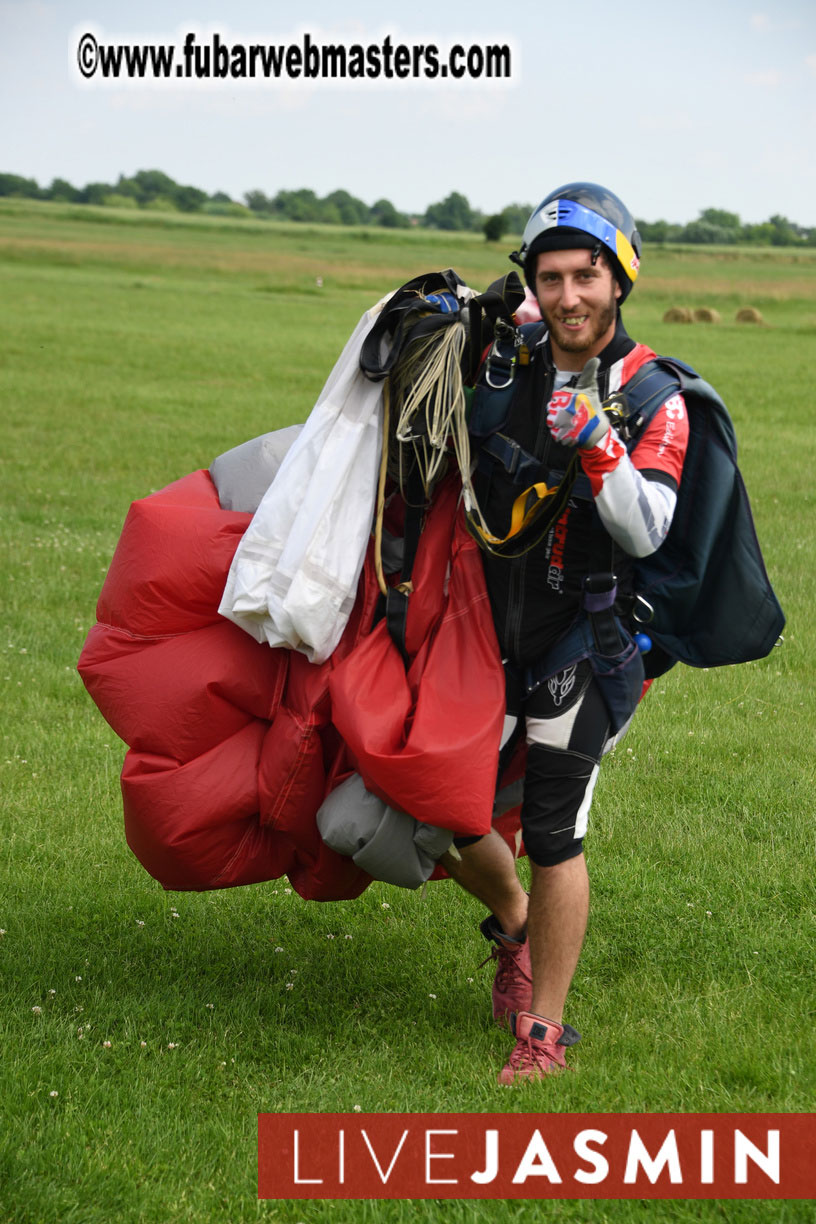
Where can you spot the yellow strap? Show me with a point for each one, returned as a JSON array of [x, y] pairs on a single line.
[[523, 513]]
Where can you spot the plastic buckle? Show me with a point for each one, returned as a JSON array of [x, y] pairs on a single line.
[[515, 450], [600, 591]]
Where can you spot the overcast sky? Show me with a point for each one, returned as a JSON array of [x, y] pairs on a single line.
[[674, 107]]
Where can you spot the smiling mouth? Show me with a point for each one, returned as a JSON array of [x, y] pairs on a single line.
[[574, 320]]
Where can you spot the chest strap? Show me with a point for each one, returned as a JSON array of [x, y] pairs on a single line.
[[523, 467]]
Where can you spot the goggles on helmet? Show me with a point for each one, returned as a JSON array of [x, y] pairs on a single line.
[[577, 216]]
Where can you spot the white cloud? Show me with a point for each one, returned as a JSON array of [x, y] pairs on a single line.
[[769, 78], [25, 32], [209, 103], [763, 24], [678, 121], [463, 109]]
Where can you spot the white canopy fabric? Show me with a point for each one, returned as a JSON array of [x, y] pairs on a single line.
[[293, 579]]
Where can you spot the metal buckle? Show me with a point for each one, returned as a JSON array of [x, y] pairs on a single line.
[[511, 366], [504, 332], [640, 602]]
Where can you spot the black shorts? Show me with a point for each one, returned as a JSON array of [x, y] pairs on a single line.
[[566, 725]]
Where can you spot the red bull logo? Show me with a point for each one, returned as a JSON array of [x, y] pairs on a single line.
[[581, 411]]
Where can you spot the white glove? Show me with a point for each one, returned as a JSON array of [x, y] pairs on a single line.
[[574, 414]]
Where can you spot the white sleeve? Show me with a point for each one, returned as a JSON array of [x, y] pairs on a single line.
[[637, 512]]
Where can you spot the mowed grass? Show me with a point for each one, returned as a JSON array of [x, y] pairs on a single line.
[[133, 351]]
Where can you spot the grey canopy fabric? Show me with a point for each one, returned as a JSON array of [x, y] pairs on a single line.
[[242, 475], [390, 845]]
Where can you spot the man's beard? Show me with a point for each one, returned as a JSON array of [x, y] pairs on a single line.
[[599, 326]]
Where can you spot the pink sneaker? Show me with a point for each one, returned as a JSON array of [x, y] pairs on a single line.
[[540, 1048], [513, 983]]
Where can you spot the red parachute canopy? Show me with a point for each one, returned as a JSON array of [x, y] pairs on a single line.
[[232, 746]]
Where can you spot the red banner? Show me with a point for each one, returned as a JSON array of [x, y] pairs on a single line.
[[536, 1156]]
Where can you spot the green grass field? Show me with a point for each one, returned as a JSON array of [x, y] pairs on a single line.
[[135, 349]]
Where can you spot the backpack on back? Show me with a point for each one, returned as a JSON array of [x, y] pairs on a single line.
[[712, 600]]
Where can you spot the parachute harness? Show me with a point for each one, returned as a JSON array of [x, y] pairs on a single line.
[[420, 354]]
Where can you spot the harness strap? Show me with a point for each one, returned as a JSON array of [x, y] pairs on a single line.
[[396, 600], [646, 390], [515, 460], [528, 508], [499, 301], [518, 462], [416, 309], [600, 591]]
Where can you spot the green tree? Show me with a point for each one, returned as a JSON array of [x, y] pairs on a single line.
[[189, 199], [785, 233], [658, 231], [118, 199], [15, 185], [705, 231], [760, 235], [351, 210], [61, 189], [128, 188], [721, 218], [494, 227], [383, 212], [259, 202], [152, 183], [516, 217], [330, 214], [302, 205], [95, 193], [452, 213]]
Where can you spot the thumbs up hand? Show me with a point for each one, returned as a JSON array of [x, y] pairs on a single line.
[[574, 414]]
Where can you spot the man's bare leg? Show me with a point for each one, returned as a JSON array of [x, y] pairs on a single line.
[[559, 907], [487, 869]]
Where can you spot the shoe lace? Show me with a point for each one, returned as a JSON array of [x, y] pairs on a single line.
[[529, 1052], [508, 970]]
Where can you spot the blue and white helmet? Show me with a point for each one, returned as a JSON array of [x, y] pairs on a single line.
[[583, 215]]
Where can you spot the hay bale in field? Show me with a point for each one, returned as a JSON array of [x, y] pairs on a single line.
[[678, 314], [749, 314], [706, 314]]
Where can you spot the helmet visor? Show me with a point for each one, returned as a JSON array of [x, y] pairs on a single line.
[[578, 216]]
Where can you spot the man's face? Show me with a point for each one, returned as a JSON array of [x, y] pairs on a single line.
[[578, 301]]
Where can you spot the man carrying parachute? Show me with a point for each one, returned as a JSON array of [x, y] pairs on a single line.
[[537, 554]]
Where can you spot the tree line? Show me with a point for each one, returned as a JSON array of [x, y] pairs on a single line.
[[152, 189], [715, 225]]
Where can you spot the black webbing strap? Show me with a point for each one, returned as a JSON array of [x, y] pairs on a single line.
[[396, 601], [499, 301], [600, 591], [646, 390], [407, 311], [526, 468]]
